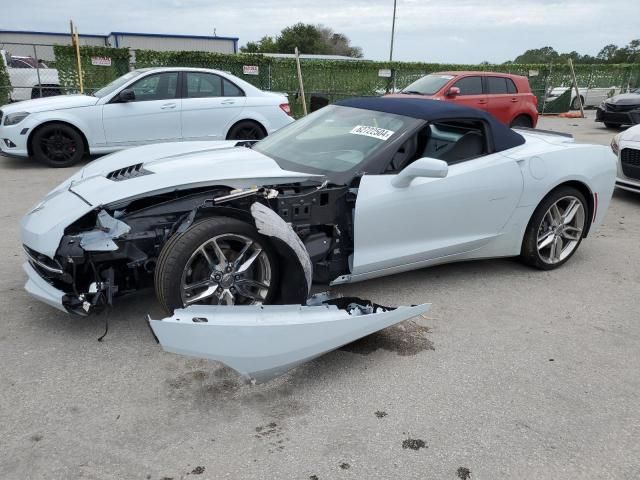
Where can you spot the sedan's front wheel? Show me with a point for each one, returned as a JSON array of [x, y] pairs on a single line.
[[57, 145], [556, 229], [217, 261]]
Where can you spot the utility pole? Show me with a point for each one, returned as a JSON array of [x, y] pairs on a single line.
[[393, 30]]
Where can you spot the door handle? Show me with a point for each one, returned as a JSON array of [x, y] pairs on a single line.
[[168, 106], [228, 102], [482, 102], [514, 100]]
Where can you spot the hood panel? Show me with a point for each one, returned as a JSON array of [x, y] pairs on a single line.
[[236, 167], [46, 104], [625, 99]]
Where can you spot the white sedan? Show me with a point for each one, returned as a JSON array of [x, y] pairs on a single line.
[[144, 106], [626, 145]]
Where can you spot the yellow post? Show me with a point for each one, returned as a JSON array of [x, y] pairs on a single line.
[[301, 83], [75, 42]]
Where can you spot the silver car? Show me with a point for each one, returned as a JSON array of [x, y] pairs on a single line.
[[626, 146]]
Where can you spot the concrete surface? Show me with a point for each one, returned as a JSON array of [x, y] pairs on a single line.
[[516, 373]]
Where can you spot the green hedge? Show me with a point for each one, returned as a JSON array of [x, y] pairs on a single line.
[[94, 77], [334, 79], [5, 85], [340, 79]]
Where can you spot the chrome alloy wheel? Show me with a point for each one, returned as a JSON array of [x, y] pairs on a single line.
[[228, 269], [560, 230]]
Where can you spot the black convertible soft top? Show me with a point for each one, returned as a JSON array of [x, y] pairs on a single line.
[[435, 110]]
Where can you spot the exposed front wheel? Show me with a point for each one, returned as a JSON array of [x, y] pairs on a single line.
[[57, 145], [556, 229], [218, 261], [246, 130]]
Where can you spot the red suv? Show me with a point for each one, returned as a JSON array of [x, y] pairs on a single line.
[[507, 97]]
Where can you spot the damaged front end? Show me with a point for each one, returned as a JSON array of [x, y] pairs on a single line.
[[112, 250], [263, 341]]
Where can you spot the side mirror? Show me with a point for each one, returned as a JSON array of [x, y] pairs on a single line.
[[423, 167], [127, 95], [453, 92]]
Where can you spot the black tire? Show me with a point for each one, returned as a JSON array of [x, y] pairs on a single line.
[[57, 145], [246, 130], [575, 105], [180, 248], [522, 121], [612, 125], [529, 253]]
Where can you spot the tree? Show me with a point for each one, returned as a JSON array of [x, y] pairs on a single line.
[[608, 52], [265, 45], [313, 39], [338, 43], [306, 37], [538, 55]]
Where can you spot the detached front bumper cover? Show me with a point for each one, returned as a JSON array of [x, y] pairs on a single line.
[[264, 341]]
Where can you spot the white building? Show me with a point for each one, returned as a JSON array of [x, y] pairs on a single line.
[[23, 42]]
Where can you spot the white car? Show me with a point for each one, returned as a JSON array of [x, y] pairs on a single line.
[[361, 189], [626, 146], [144, 106], [30, 78], [590, 97]]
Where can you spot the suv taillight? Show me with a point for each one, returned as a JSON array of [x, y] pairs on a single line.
[[285, 108]]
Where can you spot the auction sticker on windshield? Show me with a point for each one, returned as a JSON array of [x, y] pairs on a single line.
[[374, 132]]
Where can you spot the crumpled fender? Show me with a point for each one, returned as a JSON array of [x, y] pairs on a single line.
[[296, 267]]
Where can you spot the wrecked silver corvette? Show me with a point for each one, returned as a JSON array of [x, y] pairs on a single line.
[[357, 190]]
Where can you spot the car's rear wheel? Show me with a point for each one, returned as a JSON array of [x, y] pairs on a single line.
[[575, 103], [57, 145], [522, 121], [217, 261], [555, 229], [246, 130]]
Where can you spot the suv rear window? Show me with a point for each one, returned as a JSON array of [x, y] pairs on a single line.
[[500, 85]]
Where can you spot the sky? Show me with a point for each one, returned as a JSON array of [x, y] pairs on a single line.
[[453, 31]]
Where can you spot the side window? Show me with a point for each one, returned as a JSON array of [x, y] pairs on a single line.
[[511, 87], [497, 86], [202, 85], [469, 85], [456, 141], [161, 86], [230, 90], [17, 63]]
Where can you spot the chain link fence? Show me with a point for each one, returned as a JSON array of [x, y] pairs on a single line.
[[43, 70], [30, 71]]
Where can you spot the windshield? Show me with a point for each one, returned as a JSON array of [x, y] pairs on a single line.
[[332, 140], [428, 85], [116, 84]]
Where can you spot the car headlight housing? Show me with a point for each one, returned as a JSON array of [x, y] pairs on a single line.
[[615, 144], [15, 118]]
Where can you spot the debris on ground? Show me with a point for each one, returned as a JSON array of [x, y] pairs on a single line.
[[464, 473], [414, 444]]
